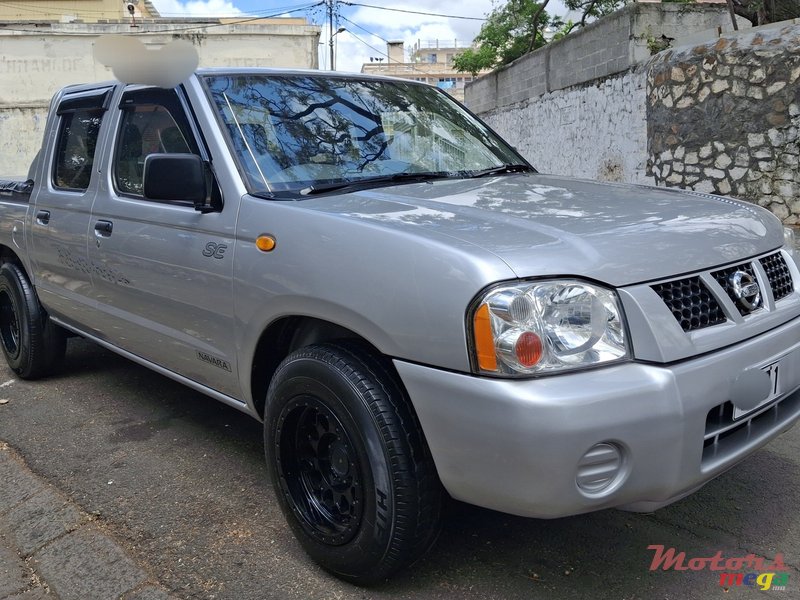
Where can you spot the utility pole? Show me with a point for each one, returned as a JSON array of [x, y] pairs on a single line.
[[330, 31]]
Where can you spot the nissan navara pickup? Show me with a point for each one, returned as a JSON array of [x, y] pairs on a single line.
[[412, 310]]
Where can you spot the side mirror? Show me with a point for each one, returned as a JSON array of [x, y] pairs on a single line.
[[177, 178]]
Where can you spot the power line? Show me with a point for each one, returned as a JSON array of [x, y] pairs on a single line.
[[248, 13], [414, 12], [373, 48], [343, 18], [88, 11]]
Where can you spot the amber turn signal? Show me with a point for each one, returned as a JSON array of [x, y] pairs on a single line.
[[484, 340], [265, 243]]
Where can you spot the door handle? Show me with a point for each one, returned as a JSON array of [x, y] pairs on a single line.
[[103, 228], [43, 217]]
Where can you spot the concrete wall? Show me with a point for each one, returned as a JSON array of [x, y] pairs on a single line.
[[35, 65], [724, 117], [577, 106], [597, 132], [611, 45]]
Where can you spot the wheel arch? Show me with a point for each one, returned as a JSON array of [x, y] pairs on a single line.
[[8, 255], [284, 336]]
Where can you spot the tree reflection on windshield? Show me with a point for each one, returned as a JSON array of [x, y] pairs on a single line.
[[293, 131]]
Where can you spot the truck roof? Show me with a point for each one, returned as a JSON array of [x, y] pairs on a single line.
[[73, 88]]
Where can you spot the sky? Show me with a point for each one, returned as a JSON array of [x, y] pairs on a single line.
[[366, 29]]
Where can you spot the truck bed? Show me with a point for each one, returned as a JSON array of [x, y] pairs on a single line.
[[16, 191]]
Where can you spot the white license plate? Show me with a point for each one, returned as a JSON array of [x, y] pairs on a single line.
[[774, 390]]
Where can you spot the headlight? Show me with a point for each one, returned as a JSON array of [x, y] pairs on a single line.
[[542, 327], [789, 241]]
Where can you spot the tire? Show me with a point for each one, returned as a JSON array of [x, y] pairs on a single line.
[[33, 346], [349, 463]]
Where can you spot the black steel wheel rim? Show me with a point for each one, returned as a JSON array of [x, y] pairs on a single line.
[[9, 325], [319, 471]]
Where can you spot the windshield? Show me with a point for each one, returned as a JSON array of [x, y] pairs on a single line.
[[292, 133]]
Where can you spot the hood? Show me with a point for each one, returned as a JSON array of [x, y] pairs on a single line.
[[542, 225]]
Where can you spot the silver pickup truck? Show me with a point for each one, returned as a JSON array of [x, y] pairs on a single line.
[[408, 306]]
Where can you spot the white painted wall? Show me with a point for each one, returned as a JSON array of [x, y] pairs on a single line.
[[595, 131], [34, 66]]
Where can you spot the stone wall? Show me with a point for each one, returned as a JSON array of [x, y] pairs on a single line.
[[577, 106], [723, 117]]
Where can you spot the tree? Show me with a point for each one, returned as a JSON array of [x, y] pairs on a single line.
[[760, 12], [510, 31], [517, 27], [592, 9]]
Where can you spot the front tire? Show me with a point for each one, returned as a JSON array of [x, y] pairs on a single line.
[[349, 463], [33, 346]]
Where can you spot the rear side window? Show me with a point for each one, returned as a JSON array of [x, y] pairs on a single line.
[[81, 114], [77, 139]]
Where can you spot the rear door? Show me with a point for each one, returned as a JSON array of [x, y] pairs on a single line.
[[164, 270], [67, 177]]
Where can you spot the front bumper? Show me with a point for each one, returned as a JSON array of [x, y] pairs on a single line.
[[515, 446]]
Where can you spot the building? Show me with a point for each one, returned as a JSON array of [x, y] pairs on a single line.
[[48, 44], [430, 62], [76, 10]]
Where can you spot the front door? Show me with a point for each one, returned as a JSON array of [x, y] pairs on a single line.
[[164, 271]]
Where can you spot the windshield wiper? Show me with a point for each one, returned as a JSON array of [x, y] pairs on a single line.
[[501, 170], [380, 180]]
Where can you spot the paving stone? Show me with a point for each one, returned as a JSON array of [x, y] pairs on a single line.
[[13, 574], [87, 564], [18, 483], [41, 519]]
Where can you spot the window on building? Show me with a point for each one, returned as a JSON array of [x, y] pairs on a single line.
[[446, 83], [431, 57]]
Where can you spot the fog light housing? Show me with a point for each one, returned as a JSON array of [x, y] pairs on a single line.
[[600, 468]]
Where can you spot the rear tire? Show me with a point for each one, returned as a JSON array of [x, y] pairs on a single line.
[[33, 346], [349, 463]]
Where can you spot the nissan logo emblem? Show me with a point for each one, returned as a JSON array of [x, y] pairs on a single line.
[[745, 290]]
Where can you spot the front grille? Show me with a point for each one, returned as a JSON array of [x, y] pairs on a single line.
[[691, 303], [780, 279], [724, 279], [724, 437], [695, 306]]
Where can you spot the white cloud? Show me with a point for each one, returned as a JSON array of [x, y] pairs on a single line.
[[413, 28], [368, 26], [351, 51], [196, 8]]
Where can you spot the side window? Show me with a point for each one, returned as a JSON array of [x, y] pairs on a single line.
[[153, 121], [75, 146]]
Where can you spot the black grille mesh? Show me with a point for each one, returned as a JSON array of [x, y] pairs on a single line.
[[695, 307], [724, 279], [780, 279], [692, 304]]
